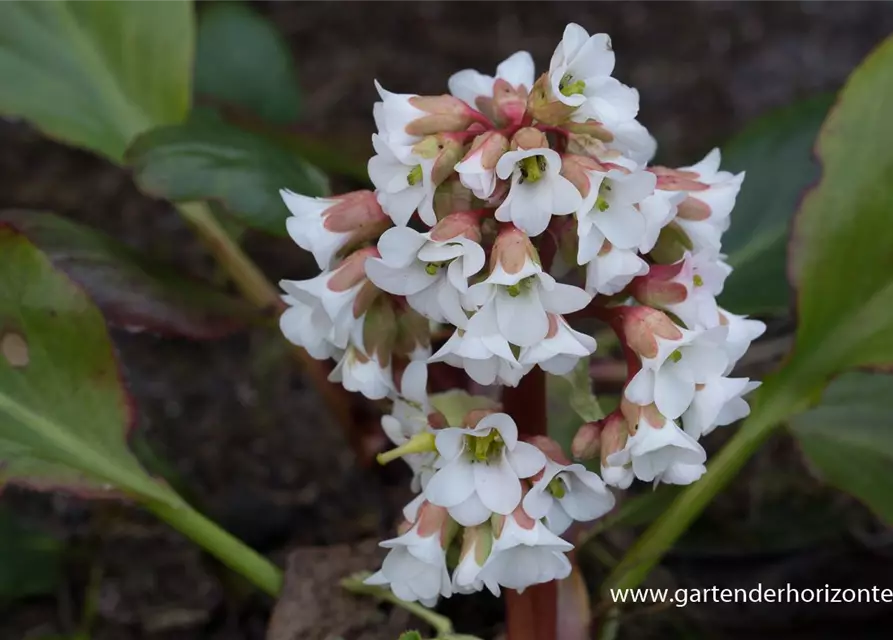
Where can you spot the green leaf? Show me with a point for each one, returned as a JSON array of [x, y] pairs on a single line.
[[96, 74], [848, 438], [242, 59], [841, 257], [776, 152], [132, 291], [209, 159], [30, 561], [63, 411], [455, 403]]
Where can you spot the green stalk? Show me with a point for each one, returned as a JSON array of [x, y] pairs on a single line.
[[777, 402], [229, 550]]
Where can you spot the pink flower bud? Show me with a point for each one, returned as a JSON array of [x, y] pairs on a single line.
[[508, 104], [512, 250], [587, 441], [657, 289], [446, 150], [474, 416], [544, 106], [352, 270], [463, 224], [675, 180], [529, 138], [445, 113], [643, 325], [577, 169], [614, 434]]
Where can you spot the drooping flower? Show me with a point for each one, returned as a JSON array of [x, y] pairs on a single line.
[[409, 417], [431, 269], [364, 373], [477, 171], [717, 402], [565, 493], [481, 469], [561, 349], [741, 332], [476, 545], [501, 98], [403, 183]]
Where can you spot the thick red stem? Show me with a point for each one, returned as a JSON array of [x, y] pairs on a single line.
[[532, 615]]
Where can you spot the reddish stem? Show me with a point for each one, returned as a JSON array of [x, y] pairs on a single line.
[[532, 615]]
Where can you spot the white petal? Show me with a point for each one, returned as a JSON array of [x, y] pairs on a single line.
[[470, 512], [497, 485], [451, 485], [525, 459]]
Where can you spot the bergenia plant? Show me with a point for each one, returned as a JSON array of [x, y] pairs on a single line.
[[504, 212]]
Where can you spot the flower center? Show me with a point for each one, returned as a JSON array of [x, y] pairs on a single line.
[[556, 488], [414, 176], [698, 280], [601, 202], [484, 448], [676, 356], [433, 267], [568, 87], [532, 168], [515, 290]]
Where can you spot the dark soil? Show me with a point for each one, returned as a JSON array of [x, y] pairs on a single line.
[[233, 417]]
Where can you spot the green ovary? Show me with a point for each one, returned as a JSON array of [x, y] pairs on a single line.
[[414, 176], [484, 448], [556, 488], [515, 290], [532, 168], [570, 88]]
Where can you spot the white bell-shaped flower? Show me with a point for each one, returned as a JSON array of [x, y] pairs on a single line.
[[565, 493], [470, 86], [717, 402], [403, 183], [560, 351]]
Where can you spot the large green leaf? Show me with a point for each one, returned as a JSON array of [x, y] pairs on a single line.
[[96, 74], [210, 159], [848, 438], [63, 411], [242, 59], [30, 561], [842, 249], [132, 291], [776, 152]]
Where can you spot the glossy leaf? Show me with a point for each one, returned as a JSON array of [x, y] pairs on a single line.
[[210, 159], [63, 411], [776, 152], [841, 258], [132, 291], [96, 74], [30, 561], [243, 60], [848, 438]]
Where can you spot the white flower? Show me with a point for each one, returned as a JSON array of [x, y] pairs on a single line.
[[634, 141], [392, 116], [408, 418], [669, 378], [703, 276], [525, 553], [363, 373], [610, 211], [431, 270], [483, 353], [476, 544], [328, 301], [324, 226], [620, 476], [477, 170], [538, 190], [580, 76], [415, 568], [717, 402], [481, 468], [612, 269], [561, 349], [660, 451], [742, 331], [309, 327], [522, 300], [566, 493], [469, 85], [403, 183]]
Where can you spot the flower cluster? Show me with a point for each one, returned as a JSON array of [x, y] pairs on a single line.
[[499, 210]]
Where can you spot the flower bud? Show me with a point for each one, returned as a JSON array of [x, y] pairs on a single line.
[[464, 224], [657, 289], [509, 104], [544, 106], [443, 113], [452, 196], [445, 150], [474, 416], [587, 441], [512, 250], [477, 170], [643, 325], [551, 448], [590, 128], [614, 434], [352, 269], [413, 332], [577, 169], [380, 330], [672, 244], [529, 138]]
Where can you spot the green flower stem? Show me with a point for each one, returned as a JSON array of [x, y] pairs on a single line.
[[255, 288], [443, 626], [774, 405], [229, 550]]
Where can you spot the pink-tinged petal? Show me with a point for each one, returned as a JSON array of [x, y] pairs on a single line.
[[525, 459], [672, 393], [497, 485], [451, 485], [399, 246], [470, 512]]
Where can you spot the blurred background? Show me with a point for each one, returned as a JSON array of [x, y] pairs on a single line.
[[234, 424]]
